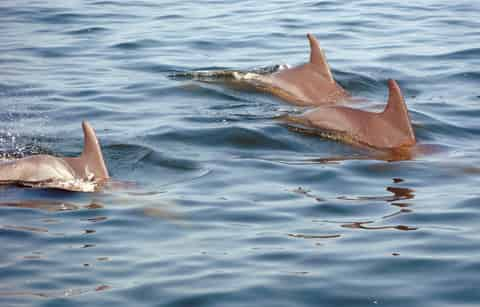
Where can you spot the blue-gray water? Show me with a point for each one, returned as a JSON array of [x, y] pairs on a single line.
[[221, 204]]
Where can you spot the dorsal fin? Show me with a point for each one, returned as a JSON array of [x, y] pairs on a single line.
[[317, 58], [92, 156], [396, 112]]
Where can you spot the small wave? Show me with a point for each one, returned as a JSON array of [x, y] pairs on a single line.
[[465, 54], [234, 136], [61, 18], [87, 30], [157, 158], [47, 205], [362, 225], [52, 52], [138, 44]]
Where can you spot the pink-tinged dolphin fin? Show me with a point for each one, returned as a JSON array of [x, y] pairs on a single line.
[[310, 84], [396, 113], [318, 59], [390, 129], [91, 160], [55, 172]]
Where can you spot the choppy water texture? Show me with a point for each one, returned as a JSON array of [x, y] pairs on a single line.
[[219, 203]]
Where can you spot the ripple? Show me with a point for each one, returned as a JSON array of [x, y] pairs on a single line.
[[362, 225], [236, 136], [61, 18], [138, 44], [213, 200], [48, 205], [88, 30], [305, 236]]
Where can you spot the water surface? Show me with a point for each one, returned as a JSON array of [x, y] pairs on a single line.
[[225, 205]]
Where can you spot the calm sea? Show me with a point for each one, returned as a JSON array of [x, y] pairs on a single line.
[[220, 203]]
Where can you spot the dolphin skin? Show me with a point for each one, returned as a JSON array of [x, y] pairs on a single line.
[[389, 129], [310, 84], [89, 166]]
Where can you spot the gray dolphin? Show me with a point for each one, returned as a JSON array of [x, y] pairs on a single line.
[[310, 84], [57, 172], [389, 129]]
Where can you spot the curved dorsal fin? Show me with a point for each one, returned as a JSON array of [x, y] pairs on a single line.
[[396, 112], [317, 58], [91, 156]]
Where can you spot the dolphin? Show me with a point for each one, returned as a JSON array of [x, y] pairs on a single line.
[[89, 166], [310, 84], [390, 129]]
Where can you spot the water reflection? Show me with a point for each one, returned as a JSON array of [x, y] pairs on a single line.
[[307, 193], [59, 241], [56, 294], [403, 209], [398, 194], [362, 225], [95, 219], [24, 228], [304, 236], [47, 205]]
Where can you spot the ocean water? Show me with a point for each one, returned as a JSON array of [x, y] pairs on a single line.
[[217, 203]]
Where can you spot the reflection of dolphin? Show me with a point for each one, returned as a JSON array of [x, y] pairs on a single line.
[[89, 166], [390, 129], [307, 85]]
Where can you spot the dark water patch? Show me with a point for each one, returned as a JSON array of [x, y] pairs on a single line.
[[357, 83], [170, 17], [203, 45], [235, 136], [323, 4], [467, 76], [52, 52], [155, 91], [471, 203], [78, 113], [133, 4], [450, 219], [127, 155], [157, 158], [143, 86], [216, 91], [138, 44], [149, 67], [60, 18], [430, 129], [127, 160], [102, 3], [50, 206], [243, 216], [466, 54], [88, 30], [110, 100], [9, 61], [81, 93]]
